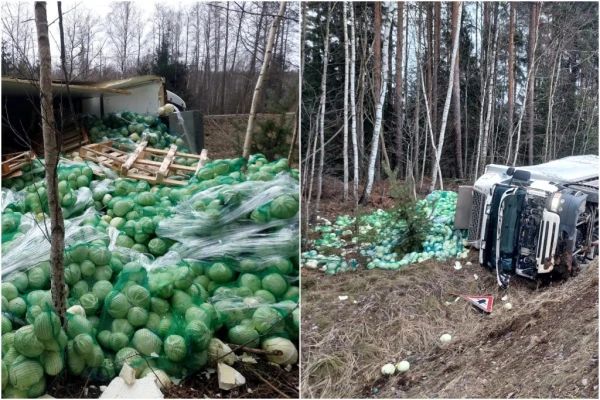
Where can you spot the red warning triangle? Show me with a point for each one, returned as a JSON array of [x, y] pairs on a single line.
[[483, 302]]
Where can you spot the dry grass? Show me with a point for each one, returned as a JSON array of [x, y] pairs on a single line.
[[546, 346], [224, 134]]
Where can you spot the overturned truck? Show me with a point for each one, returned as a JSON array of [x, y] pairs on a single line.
[[538, 222]]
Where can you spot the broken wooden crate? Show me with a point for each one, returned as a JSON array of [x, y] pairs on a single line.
[[141, 162], [74, 139], [12, 163]]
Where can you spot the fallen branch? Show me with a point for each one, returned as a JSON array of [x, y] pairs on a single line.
[[259, 376], [235, 347]]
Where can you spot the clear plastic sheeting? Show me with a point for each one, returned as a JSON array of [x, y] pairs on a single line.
[[34, 248], [249, 240], [222, 205]]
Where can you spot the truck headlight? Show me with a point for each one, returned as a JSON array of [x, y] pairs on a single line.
[[555, 202]]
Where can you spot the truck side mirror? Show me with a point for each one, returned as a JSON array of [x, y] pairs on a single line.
[[520, 177]]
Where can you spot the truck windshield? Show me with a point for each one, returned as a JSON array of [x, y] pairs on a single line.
[[509, 229]]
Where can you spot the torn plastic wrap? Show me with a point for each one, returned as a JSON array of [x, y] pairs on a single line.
[[253, 203], [34, 248]]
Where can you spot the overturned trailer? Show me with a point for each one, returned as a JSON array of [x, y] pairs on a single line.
[[536, 221]]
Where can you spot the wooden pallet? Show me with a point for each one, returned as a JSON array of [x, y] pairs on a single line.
[[141, 162], [12, 163], [73, 141]]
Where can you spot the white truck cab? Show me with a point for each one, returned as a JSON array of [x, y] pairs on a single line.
[[535, 221]]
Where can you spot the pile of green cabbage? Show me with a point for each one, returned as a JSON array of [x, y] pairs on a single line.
[[141, 289], [442, 242], [31, 173], [131, 127]]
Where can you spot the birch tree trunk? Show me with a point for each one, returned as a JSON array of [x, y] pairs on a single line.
[[346, 78], [490, 102], [52, 144], [418, 107], [553, 83], [321, 128], [399, 91], [511, 78], [440, 146], [378, 111], [224, 77], [533, 24], [353, 103], [261, 78], [456, 94], [529, 87]]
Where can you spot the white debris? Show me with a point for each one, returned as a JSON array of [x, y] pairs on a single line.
[[347, 233], [145, 388], [342, 298], [469, 263], [77, 310], [584, 381], [445, 338], [505, 298], [355, 302], [248, 359], [229, 378], [102, 388], [288, 367], [508, 306], [128, 374], [475, 276], [457, 265]]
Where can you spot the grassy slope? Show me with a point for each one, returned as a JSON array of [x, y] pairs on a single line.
[[546, 346]]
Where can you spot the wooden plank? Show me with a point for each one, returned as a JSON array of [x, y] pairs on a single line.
[[133, 157], [202, 162], [166, 163], [14, 162]]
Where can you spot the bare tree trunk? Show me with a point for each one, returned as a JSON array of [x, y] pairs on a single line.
[[490, 101], [361, 104], [294, 135], [436, 61], [254, 51], [399, 91], [377, 51], [222, 106], [511, 78], [322, 110], [419, 83], [261, 77], [429, 27], [52, 144], [533, 24], [456, 89], [440, 145], [380, 92], [346, 79], [485, 85], [353, 102], [237, 39], [553, 84]]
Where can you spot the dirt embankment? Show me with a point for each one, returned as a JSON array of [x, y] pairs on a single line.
[[224, 134], [546, 346]]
